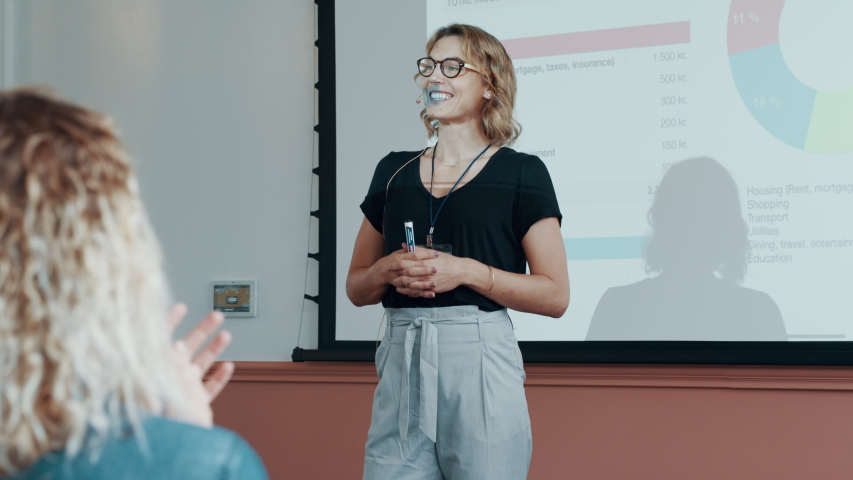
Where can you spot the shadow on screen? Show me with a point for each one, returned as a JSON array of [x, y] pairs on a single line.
[[698, 251]]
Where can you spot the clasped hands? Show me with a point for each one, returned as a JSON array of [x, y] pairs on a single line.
[[424, 272]]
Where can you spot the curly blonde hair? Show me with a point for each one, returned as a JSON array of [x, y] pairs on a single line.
[[497, 72], [84, 344]]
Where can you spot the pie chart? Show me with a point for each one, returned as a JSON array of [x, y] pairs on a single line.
[[798, 115]]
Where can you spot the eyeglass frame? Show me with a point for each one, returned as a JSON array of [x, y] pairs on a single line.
[[440, 65]]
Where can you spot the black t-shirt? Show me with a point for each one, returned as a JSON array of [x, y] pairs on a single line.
[[486, 219]]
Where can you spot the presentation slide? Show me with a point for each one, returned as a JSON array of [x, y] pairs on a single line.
[[702, 154]]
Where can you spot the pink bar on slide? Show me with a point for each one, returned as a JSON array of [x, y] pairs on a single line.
[[599, 40], [751, 34]]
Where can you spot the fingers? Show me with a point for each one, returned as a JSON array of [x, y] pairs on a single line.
[[179, 349], [422, 283], [213, 350], [418, 271], [418, 284], [217, 380], [412, 272], [403, 266], [422, 254], [414, 287], [405, 259], [175, 315], [202, 330], [188, 371], [416, 292], [190, 377]]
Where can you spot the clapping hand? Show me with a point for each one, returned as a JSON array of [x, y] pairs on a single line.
[[192, 363]]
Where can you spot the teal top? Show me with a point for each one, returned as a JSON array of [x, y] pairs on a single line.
[[175, 451]]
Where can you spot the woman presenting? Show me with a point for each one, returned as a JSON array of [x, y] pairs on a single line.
[[450, 401]]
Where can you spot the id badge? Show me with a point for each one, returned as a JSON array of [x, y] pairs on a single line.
[[440, 247]]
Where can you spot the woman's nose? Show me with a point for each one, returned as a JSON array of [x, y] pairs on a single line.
[[437, 77]]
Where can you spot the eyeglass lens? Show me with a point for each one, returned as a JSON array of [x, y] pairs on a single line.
[[449, 67]]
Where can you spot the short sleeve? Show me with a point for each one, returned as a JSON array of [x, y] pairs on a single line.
[[373, 205], [536, 198]]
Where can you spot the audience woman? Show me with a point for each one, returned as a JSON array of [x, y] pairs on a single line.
[[90, 385]]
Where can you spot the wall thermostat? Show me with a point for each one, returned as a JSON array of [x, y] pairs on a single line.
[[235, 298]]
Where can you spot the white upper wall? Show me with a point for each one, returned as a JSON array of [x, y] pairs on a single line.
[[215, 101]]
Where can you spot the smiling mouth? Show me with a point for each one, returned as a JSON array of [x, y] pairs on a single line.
[[439, 96]]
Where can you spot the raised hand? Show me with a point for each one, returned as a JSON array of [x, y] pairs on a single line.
[[192, 363]]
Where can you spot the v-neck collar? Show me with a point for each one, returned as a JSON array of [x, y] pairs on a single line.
[[425, 191]]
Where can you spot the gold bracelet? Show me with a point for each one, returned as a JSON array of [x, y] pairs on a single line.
[[493, 280]]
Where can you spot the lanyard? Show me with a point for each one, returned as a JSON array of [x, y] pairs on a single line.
[[431, 178]]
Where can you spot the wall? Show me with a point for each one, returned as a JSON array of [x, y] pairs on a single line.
[[215, 100], [310, 420]]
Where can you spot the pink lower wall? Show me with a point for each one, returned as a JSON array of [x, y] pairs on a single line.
[[310, 420]]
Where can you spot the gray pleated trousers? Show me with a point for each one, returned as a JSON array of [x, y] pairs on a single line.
[[450, 401]]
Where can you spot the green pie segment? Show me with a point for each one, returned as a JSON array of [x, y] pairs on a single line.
[[831, 128]]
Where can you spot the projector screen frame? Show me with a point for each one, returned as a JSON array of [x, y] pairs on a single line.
[[647, 352]]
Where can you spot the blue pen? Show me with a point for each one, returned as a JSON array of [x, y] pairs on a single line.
[[410, 235]]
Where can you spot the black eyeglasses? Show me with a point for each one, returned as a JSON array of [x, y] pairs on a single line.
[[450, 67]]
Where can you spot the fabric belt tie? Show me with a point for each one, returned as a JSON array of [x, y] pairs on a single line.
[[428, 411]]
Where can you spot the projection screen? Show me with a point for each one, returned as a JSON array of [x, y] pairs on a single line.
[[701, 151]]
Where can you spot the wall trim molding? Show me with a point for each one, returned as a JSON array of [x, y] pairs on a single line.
[[583, 375], [305, 372]]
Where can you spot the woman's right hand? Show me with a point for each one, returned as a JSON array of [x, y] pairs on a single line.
[[191, 367], [405, 267], [190, 375], [371, 272]]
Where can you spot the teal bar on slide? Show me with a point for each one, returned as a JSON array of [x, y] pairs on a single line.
[[605, 248]]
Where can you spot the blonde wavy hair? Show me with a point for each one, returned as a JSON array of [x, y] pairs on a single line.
[[84, 342], [496, 70]]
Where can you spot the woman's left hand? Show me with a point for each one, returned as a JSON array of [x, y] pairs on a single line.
[[450, 272]]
